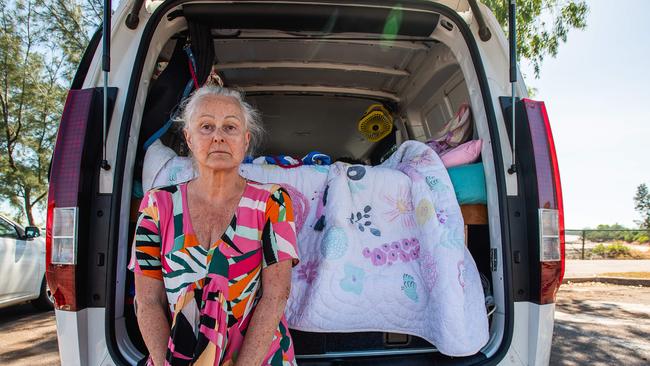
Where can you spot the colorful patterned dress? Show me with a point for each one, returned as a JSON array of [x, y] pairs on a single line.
[[212, 293]]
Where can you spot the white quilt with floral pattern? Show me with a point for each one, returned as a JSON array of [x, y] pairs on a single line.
[[382, 249]]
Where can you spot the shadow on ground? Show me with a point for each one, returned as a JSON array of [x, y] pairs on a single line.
[[602, 325], [28, 336]]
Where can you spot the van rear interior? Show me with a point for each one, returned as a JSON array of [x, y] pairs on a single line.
[[312, 87]]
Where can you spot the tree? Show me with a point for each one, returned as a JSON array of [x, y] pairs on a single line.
[[70, 24], [642, 205], [542, 25], [37, 59]]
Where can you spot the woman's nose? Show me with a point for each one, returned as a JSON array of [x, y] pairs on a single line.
[[218, 135]]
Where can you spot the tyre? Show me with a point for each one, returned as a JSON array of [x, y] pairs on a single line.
[[45, 300]]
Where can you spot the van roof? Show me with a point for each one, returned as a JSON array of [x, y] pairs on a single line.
[[457, 5]]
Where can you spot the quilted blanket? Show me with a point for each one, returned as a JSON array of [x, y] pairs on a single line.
[[382, 249]]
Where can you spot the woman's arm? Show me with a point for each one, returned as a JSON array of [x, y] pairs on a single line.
[[276, 285], [152, 316]]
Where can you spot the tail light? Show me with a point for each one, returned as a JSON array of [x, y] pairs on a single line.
[[551, 210], [63, 199]]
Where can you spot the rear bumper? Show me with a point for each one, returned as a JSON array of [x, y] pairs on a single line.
[[81, 337], [82, 341], [532, 335]]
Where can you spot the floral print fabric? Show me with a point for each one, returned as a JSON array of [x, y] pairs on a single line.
[[212, 293]]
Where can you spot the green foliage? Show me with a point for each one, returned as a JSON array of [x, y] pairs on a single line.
[[604, 236], [542, 25], [611, 251], [69, 24], [642, 238], [611, 233], [35, 71], [642, 205]]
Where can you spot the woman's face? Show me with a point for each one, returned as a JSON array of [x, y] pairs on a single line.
[[217, 133]]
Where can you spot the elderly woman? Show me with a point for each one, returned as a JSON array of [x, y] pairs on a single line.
[[213, 257]]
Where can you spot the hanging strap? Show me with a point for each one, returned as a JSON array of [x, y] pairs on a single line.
[[191, 61]]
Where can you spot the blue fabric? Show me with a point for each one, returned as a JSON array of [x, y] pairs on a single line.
[[283, 160], [469, 183], [137, 189], [312, 158], [316, 158]]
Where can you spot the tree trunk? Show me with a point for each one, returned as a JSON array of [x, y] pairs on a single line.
[[28, 208]]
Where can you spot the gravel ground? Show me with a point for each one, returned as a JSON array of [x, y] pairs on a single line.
[[602, 324]]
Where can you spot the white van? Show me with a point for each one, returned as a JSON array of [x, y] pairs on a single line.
[[312, 69]]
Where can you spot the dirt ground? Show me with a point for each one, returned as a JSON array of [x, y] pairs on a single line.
[[601, 324], [595, 324], [28, 337]]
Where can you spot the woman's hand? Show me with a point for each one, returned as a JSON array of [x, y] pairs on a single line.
[[276, 286], [152, 312]]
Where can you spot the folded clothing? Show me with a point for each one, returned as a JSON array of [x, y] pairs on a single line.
[[469, 183], [466, 153], [455, 131]]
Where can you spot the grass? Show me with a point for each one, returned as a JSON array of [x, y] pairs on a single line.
[[645, 275]]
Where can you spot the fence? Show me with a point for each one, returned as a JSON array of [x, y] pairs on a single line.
[[579, 240]]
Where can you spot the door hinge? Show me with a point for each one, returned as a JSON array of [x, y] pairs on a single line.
[[494, 259]]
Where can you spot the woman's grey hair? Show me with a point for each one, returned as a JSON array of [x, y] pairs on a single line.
[[251, 115]]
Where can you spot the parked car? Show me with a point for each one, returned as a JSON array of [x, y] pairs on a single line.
[[22, 266], [312, 68]]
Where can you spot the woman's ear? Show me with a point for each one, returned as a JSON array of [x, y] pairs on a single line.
[[188, 138], [248, 139]]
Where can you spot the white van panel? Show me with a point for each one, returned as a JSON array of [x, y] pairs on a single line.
[[531, 336], [540, 333], [493, 52], [82, 337], [73, 337], [454, 40], [121, 67]]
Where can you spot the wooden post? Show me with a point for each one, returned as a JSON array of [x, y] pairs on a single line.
[[584, 233]]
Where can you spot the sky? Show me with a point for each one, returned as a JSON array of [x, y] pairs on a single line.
[[597, 93]]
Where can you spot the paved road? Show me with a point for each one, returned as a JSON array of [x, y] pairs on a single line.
[[589, 268], [601, 324], [28, 337]]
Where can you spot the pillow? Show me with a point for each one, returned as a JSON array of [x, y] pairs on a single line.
[[466, 153], [156, 157], [469, 183]]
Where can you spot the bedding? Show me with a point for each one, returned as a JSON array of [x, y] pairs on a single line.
[[466, 153], [381, 248], [469, 183]]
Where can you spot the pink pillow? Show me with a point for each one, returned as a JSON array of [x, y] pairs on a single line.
[[466, 153]]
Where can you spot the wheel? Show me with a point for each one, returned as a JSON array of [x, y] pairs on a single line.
[[45, 300]]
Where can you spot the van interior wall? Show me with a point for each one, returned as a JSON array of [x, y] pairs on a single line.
[[426, 87]]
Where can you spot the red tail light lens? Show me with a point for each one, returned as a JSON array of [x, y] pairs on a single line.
[[65, 183], [551, 210]]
